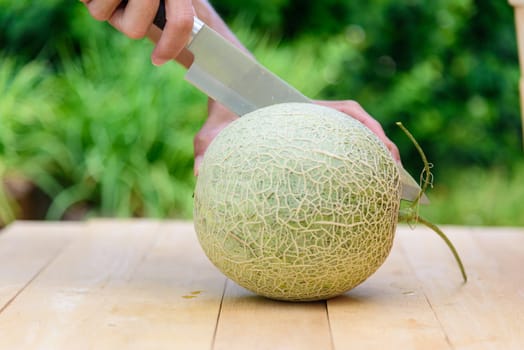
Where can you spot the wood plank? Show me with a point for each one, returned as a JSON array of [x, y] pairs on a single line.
[[488, 311], [121, 286], [248, 321], [26, 248], [50, 311], [147, 284], [388, 310], [172, 300]]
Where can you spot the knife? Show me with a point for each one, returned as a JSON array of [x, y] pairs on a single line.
[[239, 82]]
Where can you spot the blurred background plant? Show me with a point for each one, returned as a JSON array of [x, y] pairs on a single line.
[[92, 126]]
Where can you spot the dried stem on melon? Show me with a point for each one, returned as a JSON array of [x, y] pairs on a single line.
[[411, 215]]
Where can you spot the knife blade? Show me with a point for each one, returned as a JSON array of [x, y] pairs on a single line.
[[236, 80], [229, 75]]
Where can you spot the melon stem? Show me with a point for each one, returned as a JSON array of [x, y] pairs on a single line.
[[426, 173], [450, 245], [413, 214]]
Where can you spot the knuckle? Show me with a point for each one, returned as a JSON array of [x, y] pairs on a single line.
[[354, 104], [98, 13], [134, 32], [393, 149], [376, 126], [201, 138], [183, 23]]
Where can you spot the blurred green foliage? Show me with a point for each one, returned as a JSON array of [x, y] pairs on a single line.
[[32, 30], [479, 196], [447, 69], [91, 134], [85, 115], [104, 128]]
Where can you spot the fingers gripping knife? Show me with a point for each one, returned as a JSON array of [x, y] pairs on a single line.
[[229, 75], [239, 82]]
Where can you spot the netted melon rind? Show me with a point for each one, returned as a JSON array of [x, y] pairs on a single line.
[[297, 202]]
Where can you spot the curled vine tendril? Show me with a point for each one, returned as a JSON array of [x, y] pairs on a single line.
[[410, 215]]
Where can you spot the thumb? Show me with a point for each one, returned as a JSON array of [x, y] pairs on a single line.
[[196, 165]]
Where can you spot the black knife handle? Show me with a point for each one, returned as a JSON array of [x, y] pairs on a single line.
[[160, 18]]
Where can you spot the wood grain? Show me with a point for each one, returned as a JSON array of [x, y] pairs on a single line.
[[146, 284], [171, 301], [248, 321], [25, 249], [488, 311], [121, 285], [389, 308]]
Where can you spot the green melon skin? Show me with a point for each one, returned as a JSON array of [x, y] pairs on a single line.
[[297, 202]]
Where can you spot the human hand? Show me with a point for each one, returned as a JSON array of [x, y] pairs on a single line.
[[220, 117], [136, 18], [355, 110]]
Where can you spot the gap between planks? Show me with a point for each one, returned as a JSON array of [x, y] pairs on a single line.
[[27, 248], [118, 281], [488, 311], [389, 309], [248, 321]]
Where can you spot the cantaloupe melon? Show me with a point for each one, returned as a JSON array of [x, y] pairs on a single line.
[[297, 202]]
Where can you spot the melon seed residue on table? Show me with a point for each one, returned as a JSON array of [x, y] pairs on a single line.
[[147, 284]]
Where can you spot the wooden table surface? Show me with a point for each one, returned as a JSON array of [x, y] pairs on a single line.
[[141, 284]]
